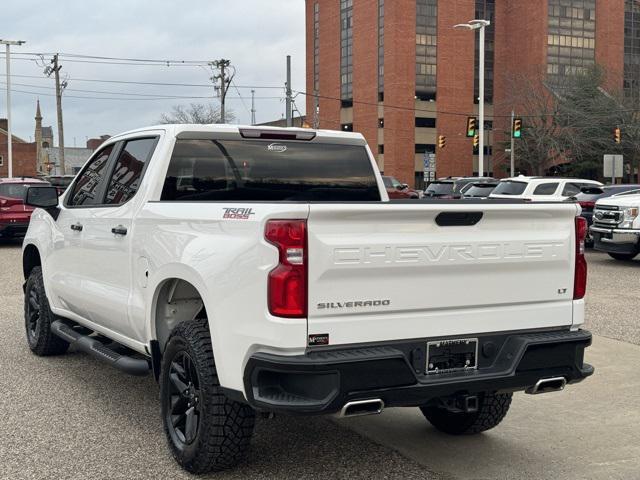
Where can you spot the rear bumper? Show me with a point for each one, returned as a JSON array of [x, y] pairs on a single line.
[[322, 381], [615, 240], [14, 229]]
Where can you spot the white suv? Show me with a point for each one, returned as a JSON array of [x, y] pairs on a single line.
[[540, 189]]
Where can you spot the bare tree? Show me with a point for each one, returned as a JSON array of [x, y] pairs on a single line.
[[569, 121], [195, 113]]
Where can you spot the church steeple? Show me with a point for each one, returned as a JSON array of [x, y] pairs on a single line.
[[38, 114], [38, 138]]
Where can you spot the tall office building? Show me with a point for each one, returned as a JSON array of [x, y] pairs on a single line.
[[399, 73]]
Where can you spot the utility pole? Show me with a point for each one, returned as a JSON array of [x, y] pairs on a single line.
[[513, 153], [253, 107], [288, 89], [7, 44], [222, 65], [56, 71]]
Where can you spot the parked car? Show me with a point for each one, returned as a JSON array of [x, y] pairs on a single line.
[[616, 225], [541, 189], [478, 189], [61, 182], [293, 285], [588, 197], [395, 189], [451, 187], [14, 214]]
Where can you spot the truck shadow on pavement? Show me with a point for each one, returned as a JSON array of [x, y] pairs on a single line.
[[105, 424]]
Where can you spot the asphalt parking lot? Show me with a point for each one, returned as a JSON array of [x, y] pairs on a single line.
[[73, 417]]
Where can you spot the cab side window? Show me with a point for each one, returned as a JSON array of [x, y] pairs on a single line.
[[127, 172], [88, 186], [571, 189], [546, 189]]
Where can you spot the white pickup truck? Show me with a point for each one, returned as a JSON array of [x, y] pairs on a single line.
[[265, 270], [616, 225]]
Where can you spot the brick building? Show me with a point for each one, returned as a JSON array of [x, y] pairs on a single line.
[[23, 154], [399, 73]]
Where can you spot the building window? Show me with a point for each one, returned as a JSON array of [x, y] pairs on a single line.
[[486, 10], [426, 48], [381, 123], [425, 122], [425, 148], [346, 127], [632, 48], [380, 45], [346, 49], [571, 40], [381, 149], [1, 161]]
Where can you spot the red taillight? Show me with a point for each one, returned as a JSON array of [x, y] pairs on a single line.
[[580, 275], [587, 205], [287, 284]]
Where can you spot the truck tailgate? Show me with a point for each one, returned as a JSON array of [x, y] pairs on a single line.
[[380, 272]]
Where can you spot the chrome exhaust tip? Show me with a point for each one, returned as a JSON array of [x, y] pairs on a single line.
[[546, 385], [358, 408]]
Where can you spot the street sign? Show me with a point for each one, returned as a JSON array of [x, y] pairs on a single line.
[[613, 167], [429, 166]]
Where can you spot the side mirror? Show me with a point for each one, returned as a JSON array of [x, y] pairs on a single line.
[[404, 186], [42, 197]]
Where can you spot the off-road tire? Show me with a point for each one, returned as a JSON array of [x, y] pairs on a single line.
[[224, 427], [623, 256], [38, 318], [492, 408]]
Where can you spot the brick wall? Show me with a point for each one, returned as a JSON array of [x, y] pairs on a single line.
[[329, 64], [24, 158], [610, 42], [455, 86], [399, 89], [365, 76], [520, 52]]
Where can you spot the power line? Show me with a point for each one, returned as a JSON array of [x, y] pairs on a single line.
[[86, 97], [133, 94], [461, 114], [163, 84]]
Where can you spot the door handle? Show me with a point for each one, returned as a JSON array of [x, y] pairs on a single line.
[[119, 230], [76, 227]]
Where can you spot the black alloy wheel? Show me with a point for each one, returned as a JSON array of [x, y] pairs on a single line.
[[183, 416], [38, 318], [32, 314]]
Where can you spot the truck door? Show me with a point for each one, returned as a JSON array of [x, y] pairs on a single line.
[[107, 232]]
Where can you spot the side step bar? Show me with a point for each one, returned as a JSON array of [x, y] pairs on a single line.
[[94, 347]]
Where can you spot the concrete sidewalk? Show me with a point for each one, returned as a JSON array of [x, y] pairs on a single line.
[[589, 431]]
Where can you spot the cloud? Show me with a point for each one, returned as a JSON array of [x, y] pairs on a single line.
[[255, 35]]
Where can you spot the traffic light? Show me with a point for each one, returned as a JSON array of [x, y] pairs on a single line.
[[442, 141], [476, 144], [517, 128], [617, 135], [471, 126]]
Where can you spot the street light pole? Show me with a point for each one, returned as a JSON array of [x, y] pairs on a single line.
[[8, 44], [481, 106], [479, 25]]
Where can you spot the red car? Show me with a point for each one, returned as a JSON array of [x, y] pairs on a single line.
[[14, 214], [395, 189]]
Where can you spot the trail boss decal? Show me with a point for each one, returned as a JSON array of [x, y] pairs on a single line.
[[362, 304], [238, 213]]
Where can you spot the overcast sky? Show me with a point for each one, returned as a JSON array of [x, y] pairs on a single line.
[[256, 35]]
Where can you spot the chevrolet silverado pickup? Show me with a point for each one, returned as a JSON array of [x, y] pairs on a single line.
[[264, 270], [616, 225]]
